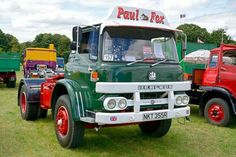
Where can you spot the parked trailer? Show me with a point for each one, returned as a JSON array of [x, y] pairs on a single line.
[[120, 72], [9, 64], [214, 88]]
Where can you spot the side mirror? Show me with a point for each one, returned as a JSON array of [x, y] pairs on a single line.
[[182, 38], [73, 45], [76, 37], [184, 48], [76, 34]]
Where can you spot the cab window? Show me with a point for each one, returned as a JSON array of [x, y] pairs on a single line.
[[89, 43], [213, 61], [229, 57]]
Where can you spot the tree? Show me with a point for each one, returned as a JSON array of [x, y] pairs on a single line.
[[216, 37], [14, 45], [4, 44], [61, 42], [195, 32], [25, 45]]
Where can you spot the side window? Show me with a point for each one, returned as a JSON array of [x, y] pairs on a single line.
[[89, 43], [213, 61], [229, 57], [84, 43]]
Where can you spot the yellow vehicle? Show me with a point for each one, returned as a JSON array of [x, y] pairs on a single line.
[[38, 59]]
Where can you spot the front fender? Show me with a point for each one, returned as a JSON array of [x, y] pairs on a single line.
[[218, 92], [79, 97]]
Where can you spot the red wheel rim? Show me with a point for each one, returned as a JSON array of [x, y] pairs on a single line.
[[216, 112], [23, 102], [62, 121]]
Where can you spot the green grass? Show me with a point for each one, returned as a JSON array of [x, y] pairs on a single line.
[[19, 138]]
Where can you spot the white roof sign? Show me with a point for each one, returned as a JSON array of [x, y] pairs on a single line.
[[137, 17]]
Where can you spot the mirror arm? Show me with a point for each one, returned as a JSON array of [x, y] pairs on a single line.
[[77, 40]]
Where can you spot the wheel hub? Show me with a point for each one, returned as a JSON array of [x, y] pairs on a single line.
[[62, 121], [23, 102], [215, 112]]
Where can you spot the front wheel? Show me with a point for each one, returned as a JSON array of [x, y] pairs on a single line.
[[156, 128], [217, 112], [69, 133]]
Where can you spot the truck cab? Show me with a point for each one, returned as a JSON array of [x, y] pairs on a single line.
[[122, 71], [217, 85], [37, 62]]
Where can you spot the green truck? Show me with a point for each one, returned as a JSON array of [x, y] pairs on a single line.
[[9, 64], [122, 71]]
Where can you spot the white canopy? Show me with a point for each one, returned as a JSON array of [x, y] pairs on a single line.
[[197, 57]]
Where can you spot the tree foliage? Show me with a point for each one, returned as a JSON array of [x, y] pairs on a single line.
[[217, 35], [61, 42], [195, 33], [8, 43], [14, 45], [4, 45]]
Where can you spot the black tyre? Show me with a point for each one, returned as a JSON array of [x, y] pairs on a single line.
[[11, 84], [42, 113], [69, 133], [156, 128], [29, 111], [217, 112]]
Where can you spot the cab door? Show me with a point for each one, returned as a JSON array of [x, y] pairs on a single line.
[[227, 74], [212, 70]]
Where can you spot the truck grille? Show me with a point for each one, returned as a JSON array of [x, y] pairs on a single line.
[[146, 95]]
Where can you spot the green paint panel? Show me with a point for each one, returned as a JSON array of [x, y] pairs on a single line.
[[115, 72], [9, 62]]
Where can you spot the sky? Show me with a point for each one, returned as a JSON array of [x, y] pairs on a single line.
[[26, 18]]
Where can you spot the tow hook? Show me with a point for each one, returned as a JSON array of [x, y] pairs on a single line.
[[183, 120], [188, 118], [97, 128]]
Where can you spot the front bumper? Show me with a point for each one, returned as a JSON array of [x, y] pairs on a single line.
[[132, 117], [172, 111]]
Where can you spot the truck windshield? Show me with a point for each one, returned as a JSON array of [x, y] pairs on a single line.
[[138, 44]]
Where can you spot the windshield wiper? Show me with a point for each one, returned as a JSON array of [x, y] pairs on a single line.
[[161, 61], [131, 63]]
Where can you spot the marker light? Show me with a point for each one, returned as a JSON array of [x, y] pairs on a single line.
[[94, 76]]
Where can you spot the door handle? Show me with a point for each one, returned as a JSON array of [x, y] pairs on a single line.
[[223, 69]]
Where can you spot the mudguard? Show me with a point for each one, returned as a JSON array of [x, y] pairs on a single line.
[[79, 97], [223, 92], [33, 89]]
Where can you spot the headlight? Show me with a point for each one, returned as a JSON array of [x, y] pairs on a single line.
[[178, 100], [185, 99], [111, 104], [122, 104]]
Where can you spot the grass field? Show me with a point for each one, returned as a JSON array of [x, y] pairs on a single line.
[[19, 138]]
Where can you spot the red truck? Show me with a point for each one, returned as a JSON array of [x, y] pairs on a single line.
[[214, 88]]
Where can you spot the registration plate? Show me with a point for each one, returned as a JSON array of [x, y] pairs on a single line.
[[154, 116]]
